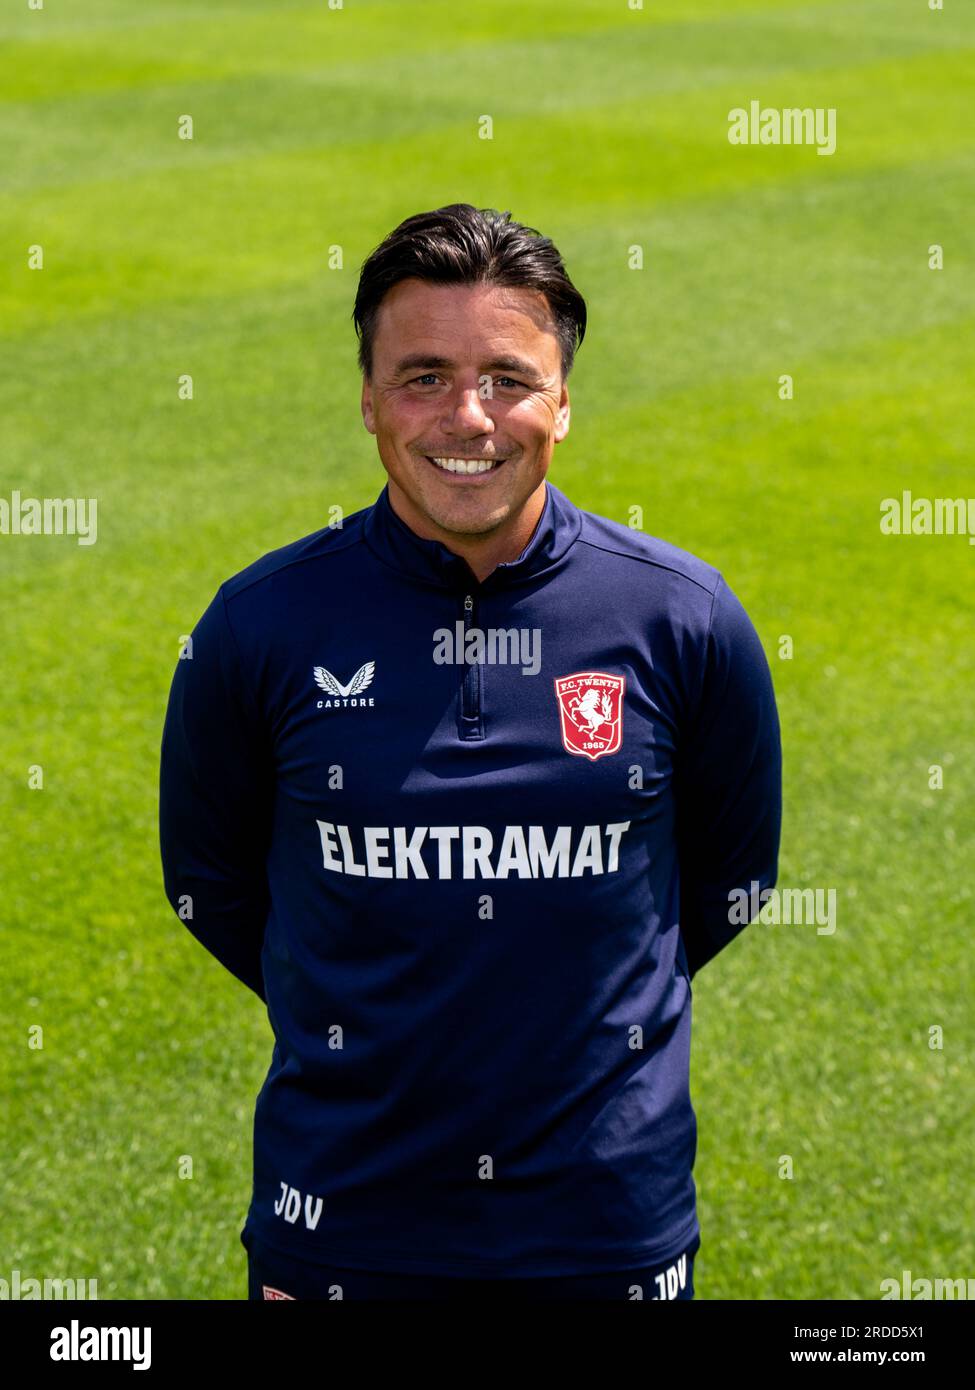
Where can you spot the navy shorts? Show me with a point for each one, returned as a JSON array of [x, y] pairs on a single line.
[[271, 1275]]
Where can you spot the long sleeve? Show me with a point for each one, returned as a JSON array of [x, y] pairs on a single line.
[[215, 801], [728, 782]]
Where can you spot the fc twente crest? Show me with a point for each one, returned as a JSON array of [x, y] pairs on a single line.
[[591, 711]]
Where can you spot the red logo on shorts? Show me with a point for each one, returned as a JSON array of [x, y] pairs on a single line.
[[276, 1293], [591, 711]]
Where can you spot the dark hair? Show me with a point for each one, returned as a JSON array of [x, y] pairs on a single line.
[[462, 245]]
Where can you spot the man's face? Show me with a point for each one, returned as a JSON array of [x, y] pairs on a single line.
[[433, 348]]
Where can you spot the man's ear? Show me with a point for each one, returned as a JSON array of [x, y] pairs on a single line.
[[368, 419], [562, 415]]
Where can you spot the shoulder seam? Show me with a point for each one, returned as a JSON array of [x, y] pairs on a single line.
[[658, 564], [707, 644], [297, 560], [241, 669]]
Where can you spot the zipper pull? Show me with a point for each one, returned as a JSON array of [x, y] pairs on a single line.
[[468, 602]]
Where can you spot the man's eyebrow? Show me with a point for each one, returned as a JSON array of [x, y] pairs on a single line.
[[428, 360]]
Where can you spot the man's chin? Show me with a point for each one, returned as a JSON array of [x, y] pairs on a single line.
[[468, 520], [455, 509], [463, 511]]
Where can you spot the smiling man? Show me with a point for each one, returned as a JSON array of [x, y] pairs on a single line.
[[471, 475], [471, 890]]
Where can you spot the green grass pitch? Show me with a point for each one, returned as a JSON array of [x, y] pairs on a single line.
[[315, 128]]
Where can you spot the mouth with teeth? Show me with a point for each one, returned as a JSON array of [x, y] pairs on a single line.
[[465, 467]]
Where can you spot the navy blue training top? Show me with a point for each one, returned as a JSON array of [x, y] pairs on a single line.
[[470, 841]]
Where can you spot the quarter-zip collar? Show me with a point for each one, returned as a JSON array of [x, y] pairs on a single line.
[[396, 544]]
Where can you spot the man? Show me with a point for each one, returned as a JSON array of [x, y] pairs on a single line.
[[461, 789]]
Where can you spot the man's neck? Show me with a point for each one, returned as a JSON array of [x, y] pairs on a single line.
[[482, 553]]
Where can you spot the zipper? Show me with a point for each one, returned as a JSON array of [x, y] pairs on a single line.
[[470, 691]]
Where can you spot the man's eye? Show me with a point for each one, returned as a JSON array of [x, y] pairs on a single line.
[[432, 376]]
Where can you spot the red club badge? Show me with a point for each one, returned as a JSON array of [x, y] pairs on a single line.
[[591, 711]]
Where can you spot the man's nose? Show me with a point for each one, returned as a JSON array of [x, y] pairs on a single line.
[[466, 411]]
